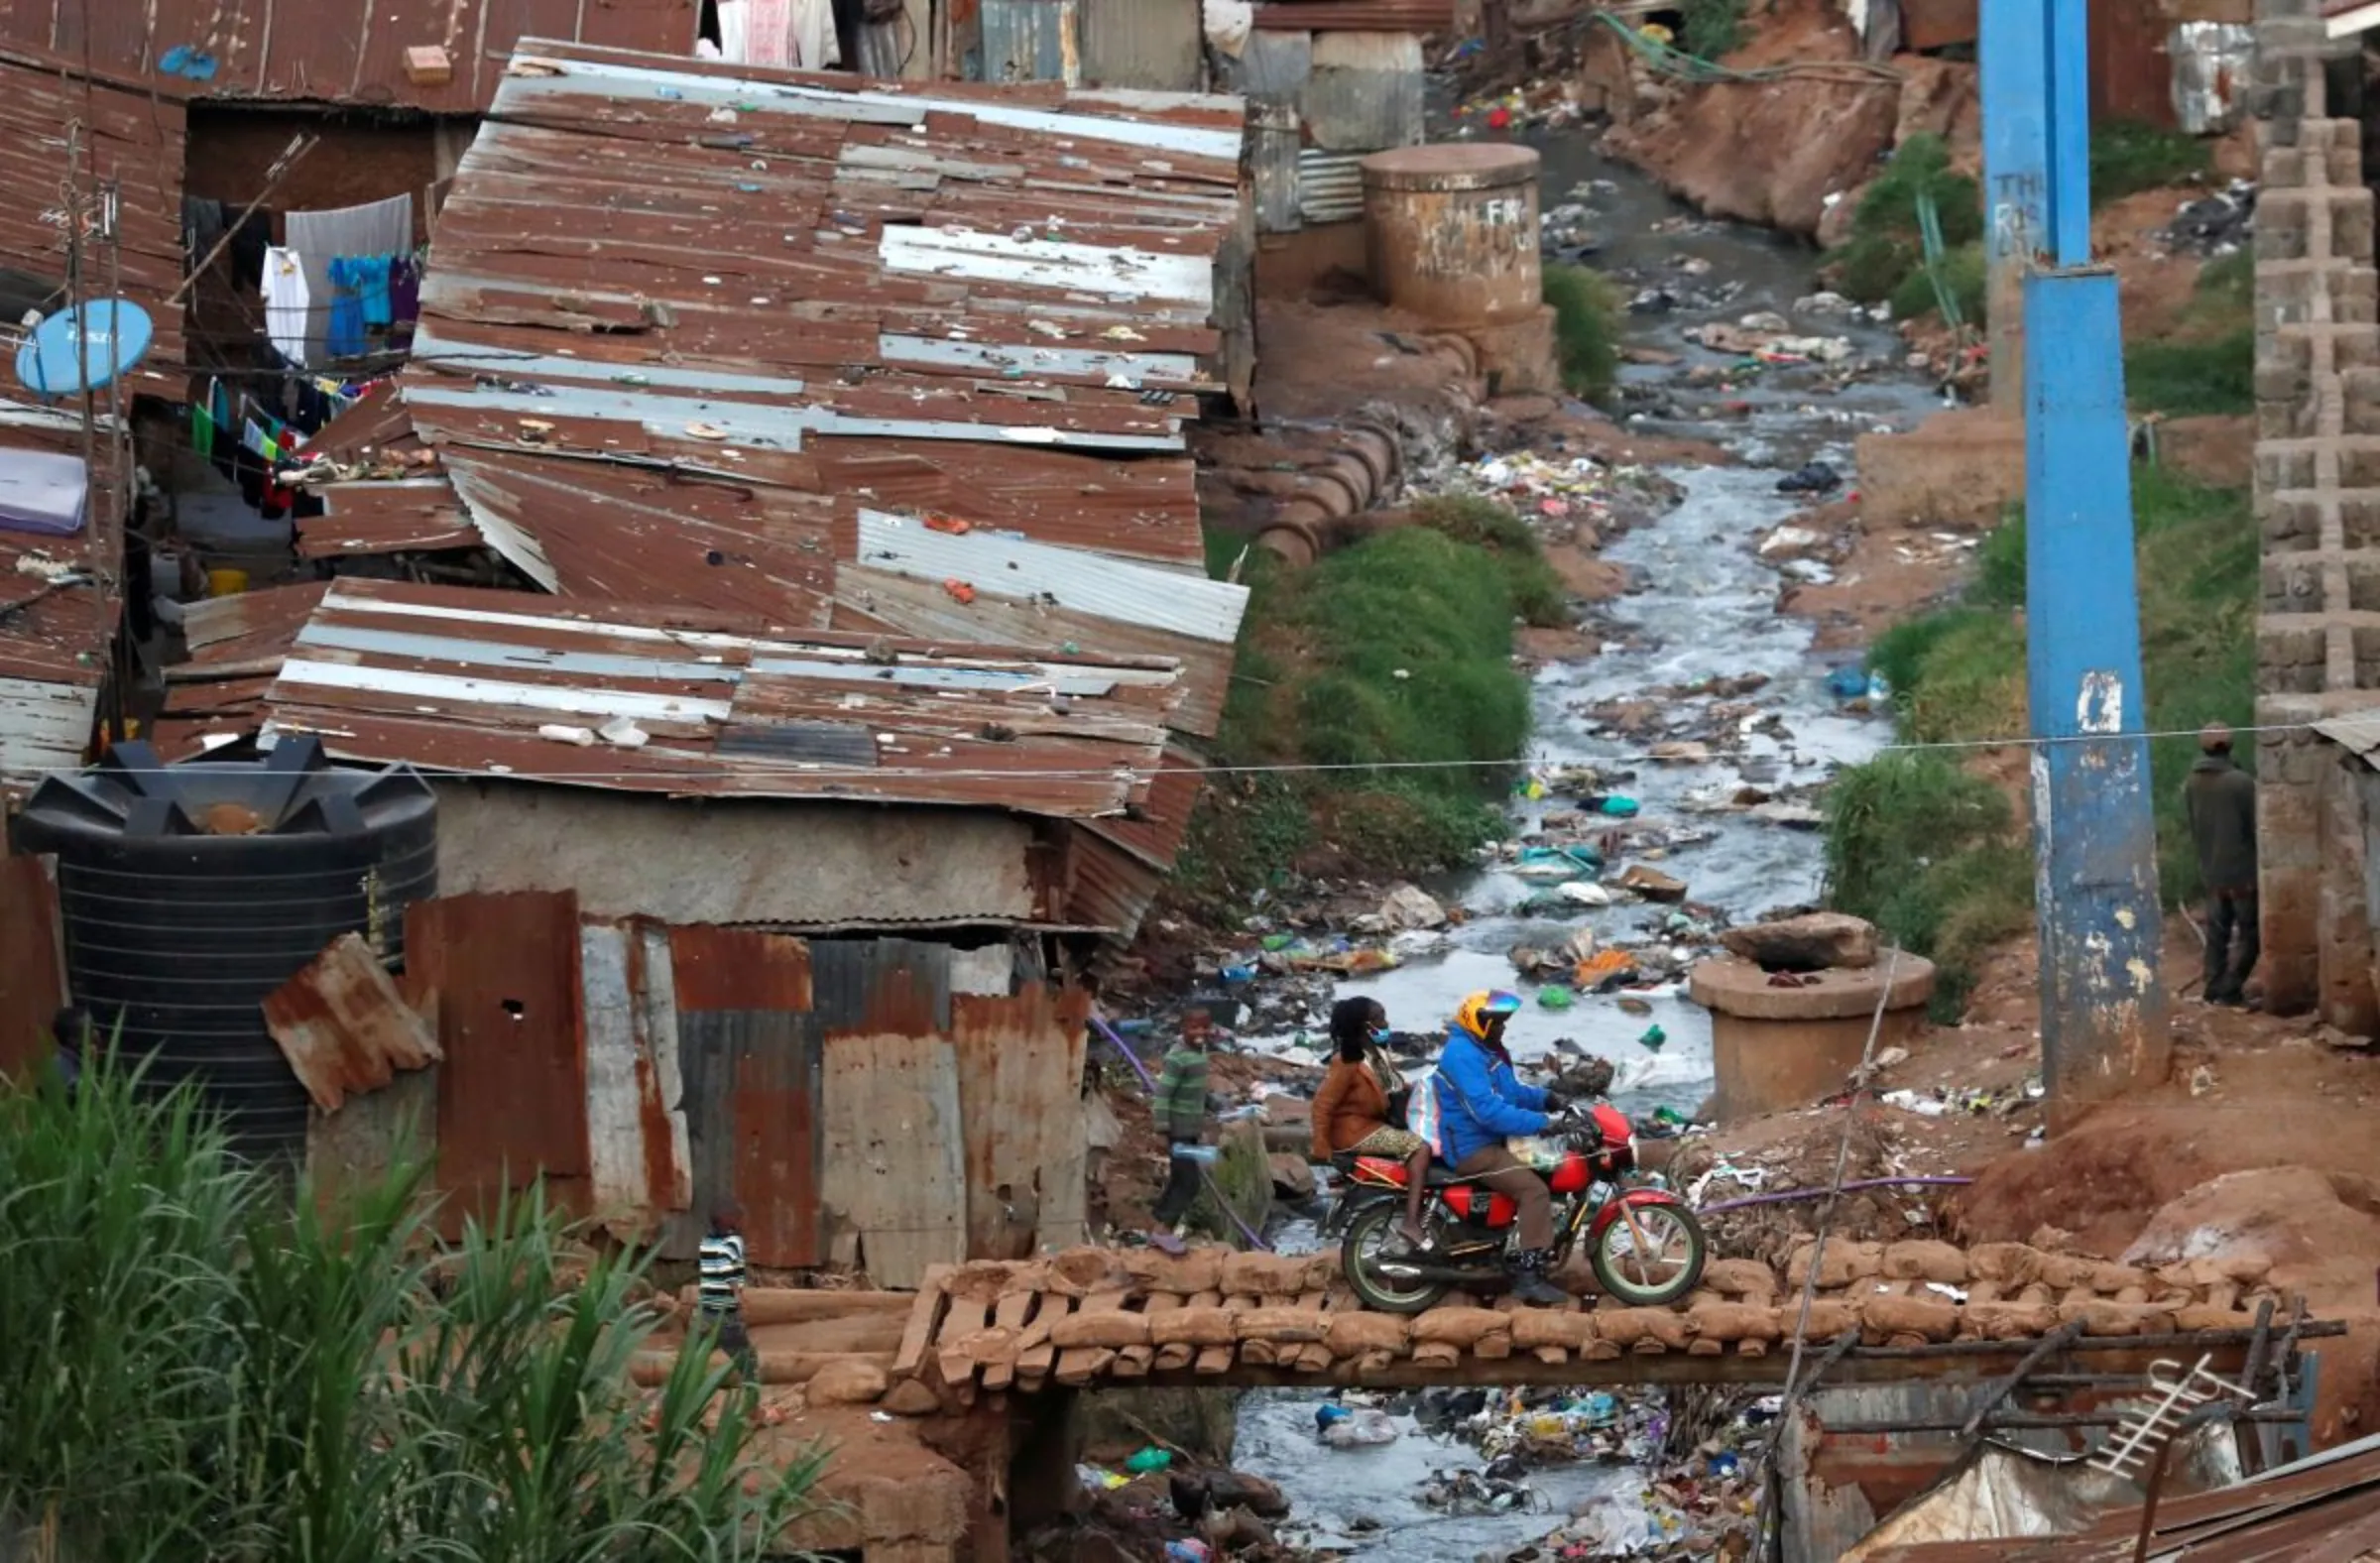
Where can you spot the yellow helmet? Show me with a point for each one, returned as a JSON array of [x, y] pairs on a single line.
[[1481, 1010]]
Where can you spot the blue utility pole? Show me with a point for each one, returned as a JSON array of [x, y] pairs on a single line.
[[2103, 1004]]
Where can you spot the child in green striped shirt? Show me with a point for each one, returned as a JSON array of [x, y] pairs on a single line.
[[1180, 1113]]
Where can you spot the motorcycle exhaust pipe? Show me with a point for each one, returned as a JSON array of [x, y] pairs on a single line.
[[1452, 1275]]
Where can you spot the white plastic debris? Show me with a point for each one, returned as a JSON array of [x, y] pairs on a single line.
[[563, 733], [622, 733]]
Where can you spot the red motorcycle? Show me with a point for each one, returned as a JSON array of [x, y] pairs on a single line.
[[1644, 1243]]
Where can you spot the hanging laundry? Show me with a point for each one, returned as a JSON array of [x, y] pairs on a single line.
[[381, 227], [405, 289], [811, 43], [202, 430], [343, 332], [287, 319], [767, 32], [372, 283]]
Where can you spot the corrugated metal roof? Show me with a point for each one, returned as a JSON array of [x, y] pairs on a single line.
[[128, 138], [498, 683], [1358, 16], [684, 320], [2327, 1512], [333, 50], [2358, 734]]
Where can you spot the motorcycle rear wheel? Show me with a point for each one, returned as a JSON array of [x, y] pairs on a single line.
[[1661, 1277], [1372, 1239]]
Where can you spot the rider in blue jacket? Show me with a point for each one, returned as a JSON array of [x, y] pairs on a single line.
[[1482, 1104]]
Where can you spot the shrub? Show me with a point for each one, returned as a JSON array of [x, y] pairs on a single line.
[[1587, 328], [1538, 595], [2128, 157], [1886, 244], [1962, 274], [1710, 27]]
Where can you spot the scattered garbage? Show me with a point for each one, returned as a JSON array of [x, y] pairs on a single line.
[[1815, 478], [1149, 1459], [1344, 1427], [1653, 1039]]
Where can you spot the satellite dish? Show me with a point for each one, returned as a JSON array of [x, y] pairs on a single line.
[[63, 358]]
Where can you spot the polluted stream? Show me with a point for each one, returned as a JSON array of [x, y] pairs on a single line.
[[1702, 607]]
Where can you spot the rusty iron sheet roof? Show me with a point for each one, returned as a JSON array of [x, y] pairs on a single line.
[[344, 1028], [129, 138], [687, 325], [348, 52], [401, 516], [500, 684]]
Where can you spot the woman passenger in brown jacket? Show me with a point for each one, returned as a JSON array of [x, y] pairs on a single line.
[[1361, 1095]]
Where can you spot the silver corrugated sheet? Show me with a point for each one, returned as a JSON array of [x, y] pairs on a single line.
[[2212, 62], [44, 727], [1365, 92], [1276, 157], [1033, 41], [1143, 43], [1272, 67], [1015, 566], [1329, 186]]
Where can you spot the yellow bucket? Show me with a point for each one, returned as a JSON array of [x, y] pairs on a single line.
[[226, 583]]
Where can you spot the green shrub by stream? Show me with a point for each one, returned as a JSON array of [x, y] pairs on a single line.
[[1396, 652], [1933, 853]]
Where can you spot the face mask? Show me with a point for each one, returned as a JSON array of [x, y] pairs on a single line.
[[1381, 1034]]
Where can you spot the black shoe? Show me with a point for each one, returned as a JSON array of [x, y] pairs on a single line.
[[1529, 1284]]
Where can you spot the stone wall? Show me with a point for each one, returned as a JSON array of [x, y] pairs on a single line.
[[2318, 473]]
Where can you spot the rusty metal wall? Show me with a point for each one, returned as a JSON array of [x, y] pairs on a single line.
[[895, 1179], [1154, 45], [512, 1092], [1365, 93], [33, 982], [1025, 1164], [880, 986], [1032, 40], [639, 1155], [752, 1086], [2131, 72]]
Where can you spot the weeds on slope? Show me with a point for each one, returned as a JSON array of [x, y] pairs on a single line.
[[1959, 676]]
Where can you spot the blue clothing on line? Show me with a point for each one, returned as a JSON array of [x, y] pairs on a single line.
[[343, 333], [1481, 1100]]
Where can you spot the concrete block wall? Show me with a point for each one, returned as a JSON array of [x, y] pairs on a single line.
[[2317, 488]]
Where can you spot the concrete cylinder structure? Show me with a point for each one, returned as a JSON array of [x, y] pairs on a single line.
[[1452, 233], [1774, 1048]]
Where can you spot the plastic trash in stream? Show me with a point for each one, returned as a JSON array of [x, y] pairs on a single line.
[[1339, 1427], [1150, 1459]]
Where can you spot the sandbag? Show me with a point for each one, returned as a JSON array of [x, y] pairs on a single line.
[[1738, 1279], [1535, 1327], [1842, 1263], [1282, 1326], [1358, 1334], [1924, 1259], [1460, 1328], [1734, 1321], [1190, 1327], [1109, 1328], [2013, 1264], [2005, 1321], [1634, 1327], [2104, 1318], [1928, 1318], [1263, 1275]]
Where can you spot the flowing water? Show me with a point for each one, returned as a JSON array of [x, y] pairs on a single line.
[[1707, 610]]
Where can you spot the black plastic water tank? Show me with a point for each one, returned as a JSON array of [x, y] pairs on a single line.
[[191, 891]]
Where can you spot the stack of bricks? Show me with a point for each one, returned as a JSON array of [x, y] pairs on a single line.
[[2318, 503]]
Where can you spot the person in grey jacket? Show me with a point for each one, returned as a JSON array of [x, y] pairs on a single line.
[[2220, 799]]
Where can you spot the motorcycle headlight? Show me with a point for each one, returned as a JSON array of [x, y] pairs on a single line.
[[1631, 1146]]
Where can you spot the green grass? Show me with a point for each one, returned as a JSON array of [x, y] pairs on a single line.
[[210, 1369], [1538, 595], [1394, 652], [1962, 276], [1711, 28], [1964, 875], [1588, 315], [2208, 365], [2127, 156], [1885, 249]]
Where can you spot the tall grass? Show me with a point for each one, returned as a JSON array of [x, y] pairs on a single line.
[[1886, 248], [1914, 842], [1588, 316], [2206, 366], [202, 1368], [2128, 157]]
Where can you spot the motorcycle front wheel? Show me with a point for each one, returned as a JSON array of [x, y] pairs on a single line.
[[1651, 1255], [1368, 1257]]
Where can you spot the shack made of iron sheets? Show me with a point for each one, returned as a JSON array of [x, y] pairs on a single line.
[[705, 334], [882, 1102]]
